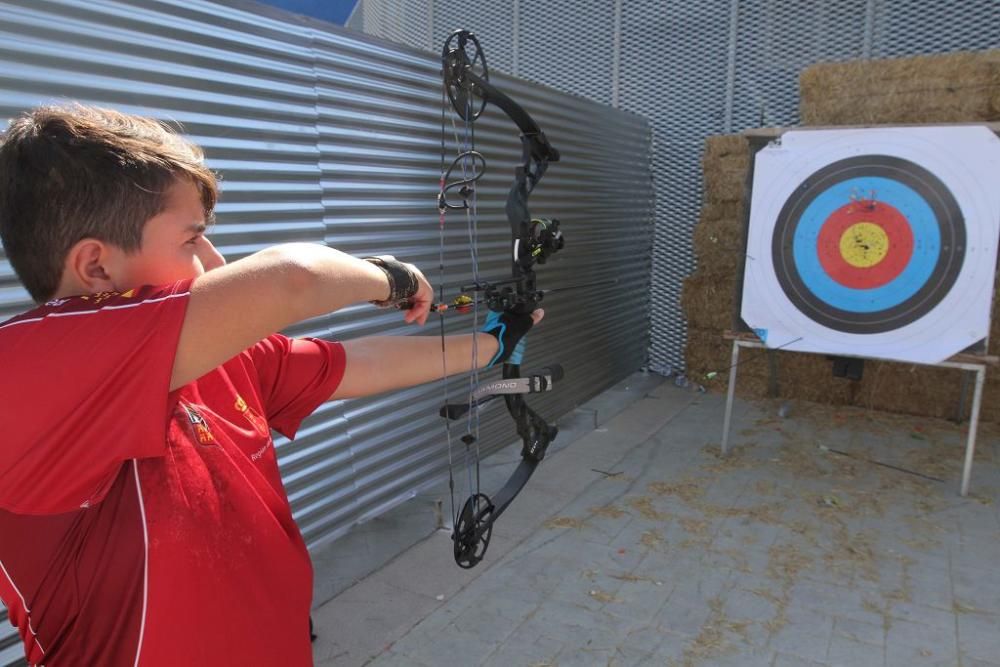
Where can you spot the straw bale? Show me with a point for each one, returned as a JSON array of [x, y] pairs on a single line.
[[809, 377], [718, 238], [800, 376], [708, 359], [753, 381], [707, 300], [884, 385], [726, 162], [726, 147], [723, 210], [707, 352], [887, 386], [990, 409], [909, 389], [725, 185], [944, 88], [718, 245]]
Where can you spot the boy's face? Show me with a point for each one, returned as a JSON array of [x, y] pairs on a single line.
[[174, 246]]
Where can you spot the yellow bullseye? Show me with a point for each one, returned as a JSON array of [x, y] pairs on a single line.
[[864, 244]]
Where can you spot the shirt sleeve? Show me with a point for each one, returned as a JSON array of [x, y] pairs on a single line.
[[85, 386], [296, 376]]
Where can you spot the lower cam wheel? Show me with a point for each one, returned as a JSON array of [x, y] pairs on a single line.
[[473, 530]]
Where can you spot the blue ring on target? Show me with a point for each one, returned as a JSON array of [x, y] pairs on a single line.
[[926, 247]]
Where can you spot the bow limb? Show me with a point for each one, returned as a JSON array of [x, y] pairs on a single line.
[[537, 143], [474, 524]]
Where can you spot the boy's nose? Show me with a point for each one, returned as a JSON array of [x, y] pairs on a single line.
[[210, 257]]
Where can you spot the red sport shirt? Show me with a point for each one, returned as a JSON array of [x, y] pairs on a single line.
[[140, 526]]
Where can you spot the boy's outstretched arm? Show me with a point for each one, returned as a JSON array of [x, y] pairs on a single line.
[[234, 306], [382, 363]]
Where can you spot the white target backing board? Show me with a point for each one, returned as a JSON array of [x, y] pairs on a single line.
[[878, 243]]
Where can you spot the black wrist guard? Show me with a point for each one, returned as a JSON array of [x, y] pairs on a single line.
[[402, 282]]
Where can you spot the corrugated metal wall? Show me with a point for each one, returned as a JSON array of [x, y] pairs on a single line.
[[328, 136], [694, 69]]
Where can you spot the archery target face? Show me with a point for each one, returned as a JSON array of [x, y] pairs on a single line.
[[876, 243]]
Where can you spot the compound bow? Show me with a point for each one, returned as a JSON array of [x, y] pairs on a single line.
[[534, 240]]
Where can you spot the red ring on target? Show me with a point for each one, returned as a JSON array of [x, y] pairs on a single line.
[[896, 256]]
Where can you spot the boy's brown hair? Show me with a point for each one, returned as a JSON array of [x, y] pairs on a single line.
[[75, 172]]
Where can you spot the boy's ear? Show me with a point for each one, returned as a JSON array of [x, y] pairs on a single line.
[[86, 268]]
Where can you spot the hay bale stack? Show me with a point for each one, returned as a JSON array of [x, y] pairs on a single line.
[[947, 88], [707, 296], [718, 236]]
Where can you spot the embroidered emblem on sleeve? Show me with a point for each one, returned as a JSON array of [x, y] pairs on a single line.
[[257, 421]]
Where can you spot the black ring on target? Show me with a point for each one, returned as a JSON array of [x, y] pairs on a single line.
[[947, 217]]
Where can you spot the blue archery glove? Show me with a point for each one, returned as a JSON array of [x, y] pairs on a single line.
[[509, 329]]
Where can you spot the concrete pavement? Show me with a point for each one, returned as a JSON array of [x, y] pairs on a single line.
[[637, 545]]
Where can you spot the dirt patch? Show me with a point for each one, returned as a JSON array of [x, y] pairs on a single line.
[[564, 522], [602, 596], [652, 539], [786, 561], [852, 553], [717, 636], [687, 490], [608, 511], [694, 526], [635, 578], [644, 506]]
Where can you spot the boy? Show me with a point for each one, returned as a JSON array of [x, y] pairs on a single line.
[[142, 516]]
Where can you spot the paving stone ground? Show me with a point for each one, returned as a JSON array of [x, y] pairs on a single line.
[[639, 545]]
